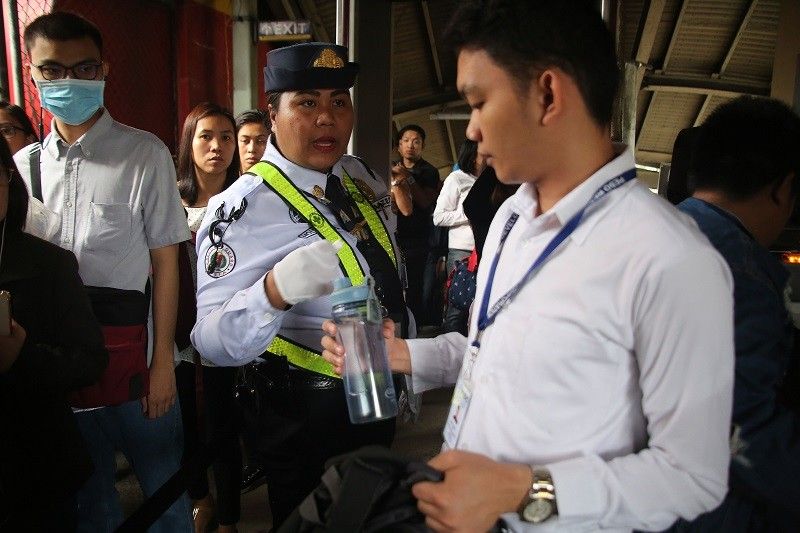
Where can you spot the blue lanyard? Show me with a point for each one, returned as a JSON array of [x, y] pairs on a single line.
[[487, 316]]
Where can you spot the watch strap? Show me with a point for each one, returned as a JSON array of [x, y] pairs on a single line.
[[541, 494]]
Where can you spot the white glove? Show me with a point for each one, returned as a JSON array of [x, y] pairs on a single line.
[[307, 272]]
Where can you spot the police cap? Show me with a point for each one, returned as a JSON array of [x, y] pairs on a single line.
[[309, 66]]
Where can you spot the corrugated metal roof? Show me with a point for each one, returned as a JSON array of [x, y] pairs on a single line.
[[667, 114], [705, 52], [695, 41]]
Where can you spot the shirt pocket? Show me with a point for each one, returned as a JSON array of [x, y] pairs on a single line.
[[109, 227], [41, 221]]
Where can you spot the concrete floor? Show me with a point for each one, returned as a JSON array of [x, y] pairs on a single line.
[[418, 440]]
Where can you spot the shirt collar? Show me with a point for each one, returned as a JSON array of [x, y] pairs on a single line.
[[775, 270], [88, 142], [726, 214], [304, 178], [525, 201]]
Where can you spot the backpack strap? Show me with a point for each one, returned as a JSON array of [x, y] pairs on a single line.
[[361, 485], [35, 159]]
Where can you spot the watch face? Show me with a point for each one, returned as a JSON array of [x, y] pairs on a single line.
[[537, 510]]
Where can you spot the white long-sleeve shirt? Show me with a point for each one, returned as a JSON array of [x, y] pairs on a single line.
[[449, 211], [235, 321], [613, 367]]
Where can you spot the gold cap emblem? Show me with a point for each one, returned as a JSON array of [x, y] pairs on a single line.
[[328, 59]]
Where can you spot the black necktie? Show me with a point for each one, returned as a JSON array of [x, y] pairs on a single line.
[[341, 204]]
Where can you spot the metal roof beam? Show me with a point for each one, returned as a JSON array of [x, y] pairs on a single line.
[[437, 66], [451, 141], [673, 40], [646, 40], [739, 33], [309, 9], [653, 157], [289, 8], [411, 107], [703, 109], [703, 85], [651, 20]]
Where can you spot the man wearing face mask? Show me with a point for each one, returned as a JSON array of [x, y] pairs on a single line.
[[112, 190]]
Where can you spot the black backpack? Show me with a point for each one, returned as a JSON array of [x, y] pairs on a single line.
[[364, 491]]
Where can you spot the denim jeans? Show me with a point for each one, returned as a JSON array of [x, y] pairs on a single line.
[[153, 448]]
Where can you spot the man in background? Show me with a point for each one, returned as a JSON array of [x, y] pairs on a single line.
[[415, 186], [744, 168]]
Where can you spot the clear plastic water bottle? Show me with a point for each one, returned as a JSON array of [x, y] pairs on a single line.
[[367, 377]]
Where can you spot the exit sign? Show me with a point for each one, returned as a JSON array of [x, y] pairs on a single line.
[[284, 30]]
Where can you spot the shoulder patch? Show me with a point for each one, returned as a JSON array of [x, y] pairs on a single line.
[[295, 215], [307, 234], [220, 260]]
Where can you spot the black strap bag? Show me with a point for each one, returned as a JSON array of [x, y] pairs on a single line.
[[366, 491]]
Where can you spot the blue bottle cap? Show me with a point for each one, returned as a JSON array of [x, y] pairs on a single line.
[[345, 293]]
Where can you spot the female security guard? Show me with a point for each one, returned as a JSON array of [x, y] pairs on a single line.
[[266, 260]]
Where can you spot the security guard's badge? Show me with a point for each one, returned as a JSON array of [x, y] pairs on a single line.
[[328, 59], [319, 194], [220, 260], [365, 190], [356, 228]]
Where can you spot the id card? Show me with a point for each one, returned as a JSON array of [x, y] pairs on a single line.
[[460, 402]]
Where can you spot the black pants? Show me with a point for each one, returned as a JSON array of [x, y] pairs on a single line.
[[220, 423], [415, 252], [303, 422]]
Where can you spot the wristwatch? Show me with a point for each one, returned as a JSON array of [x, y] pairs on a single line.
[[540, 504]]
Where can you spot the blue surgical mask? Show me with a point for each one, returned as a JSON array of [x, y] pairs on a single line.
[[72, 101]]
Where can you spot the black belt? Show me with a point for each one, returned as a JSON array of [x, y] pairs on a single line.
[[275, 373]]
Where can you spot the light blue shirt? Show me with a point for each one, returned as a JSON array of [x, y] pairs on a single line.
[[235, 321]]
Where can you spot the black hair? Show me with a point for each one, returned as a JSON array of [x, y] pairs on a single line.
[[62, 26], [410, 127], [186, 171], [20, 116], [678, 184], [17, 192], [467, 155], [527, 37], [253, 116], [274, 99], [745, 145]]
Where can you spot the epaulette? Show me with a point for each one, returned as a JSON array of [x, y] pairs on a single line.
[[369, 170]]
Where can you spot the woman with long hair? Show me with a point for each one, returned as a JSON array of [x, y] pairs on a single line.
[[207, 165], [50, 346], [16, 127], [449, 213]]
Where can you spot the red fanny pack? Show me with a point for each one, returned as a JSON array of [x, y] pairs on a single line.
[[123, 316]]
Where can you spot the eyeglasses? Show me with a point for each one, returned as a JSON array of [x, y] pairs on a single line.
[[9, 130], [82, 71]]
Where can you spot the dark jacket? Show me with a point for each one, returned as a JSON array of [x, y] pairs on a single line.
[[764, 491], [419, 224], [42, 454]]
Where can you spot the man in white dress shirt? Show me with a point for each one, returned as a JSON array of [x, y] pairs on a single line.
[[597, 395]]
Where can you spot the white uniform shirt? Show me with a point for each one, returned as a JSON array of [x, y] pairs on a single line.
[[613, 367], [449, 210], [113, 197], [235, 321]]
